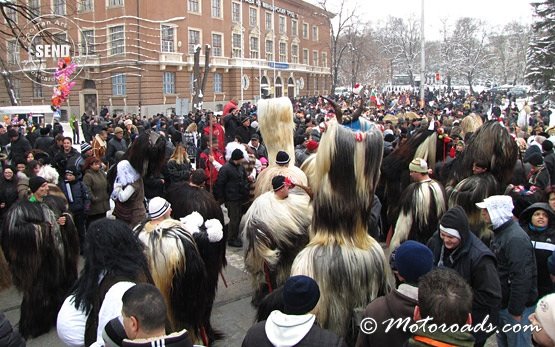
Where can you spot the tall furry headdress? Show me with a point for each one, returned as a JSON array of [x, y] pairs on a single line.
[[275, 120]]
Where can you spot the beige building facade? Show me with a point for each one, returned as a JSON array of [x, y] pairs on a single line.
[[137, 56]]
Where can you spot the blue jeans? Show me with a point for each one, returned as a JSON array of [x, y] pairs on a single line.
[[511, 338]]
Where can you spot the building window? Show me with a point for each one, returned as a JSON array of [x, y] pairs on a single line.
[[13, 52], [295, 54], [305, 31], [217, 45], [117, 40], [236, 43], [34, 7], [235, 12], [16, 88], [294, 27], [315, 58], [118, 85], [193, 6], [217, 8], [254, 47], [169, 83], [60, 39], [87, 42], [194, 39], [11, 14], [269, 50], [85, 5], [283, 52], [59, 7], [253, 16], [168, 39], [282, 25], [37, 90], [314, 33], [112, 3], [305, 56], [269, 21], [218, 83], [324, 59]]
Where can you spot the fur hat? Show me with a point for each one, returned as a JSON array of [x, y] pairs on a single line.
[[278, 182], [300, 295], [35, 183], [157, 207], [545, 313], [118, 130], [418, 165], [85, 147], [237, 154], [282, 158], [413, 260]]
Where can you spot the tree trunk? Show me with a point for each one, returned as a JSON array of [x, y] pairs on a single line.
[[8, 82]]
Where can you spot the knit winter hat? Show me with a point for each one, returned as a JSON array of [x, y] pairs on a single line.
[[418, 165], [533, 155], [237, 154], [545, 313], [454, 222], [413, 260], [282, 158], [35, 183], [278, 182], [300, 295], [85, 147], [157, 207], [71, 170], [118, 130]]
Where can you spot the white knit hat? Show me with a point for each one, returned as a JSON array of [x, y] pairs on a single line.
[[157, 207], [545, 313]]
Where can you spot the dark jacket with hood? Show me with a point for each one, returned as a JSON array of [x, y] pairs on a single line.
[[543, 241], [475, 263]]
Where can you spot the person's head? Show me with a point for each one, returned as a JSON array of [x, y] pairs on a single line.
[[551, 196], [38, 187], [128, 124], [71, 174], [67, 144], [30, 156], [255, 140], [144, 312], [179, 154], [86, 149], [479, 167], [59, 140], [118, 133], [33, 168], [418, 169], [103, 135], [453, 227], [538, 216], [237, 156], [444, 296], [282, 158], [280, 187], [159, 209], [459, 147], [300, 295], [198, 178], [192, 128], [92, 163], [3, 130], [496, 210], [20, 164], [13, 135], [544, 318], [412, 260], [8, 173]]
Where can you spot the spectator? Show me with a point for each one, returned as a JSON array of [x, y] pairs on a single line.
[[44, 141], [74, 125], [78, 198], [8, 190], [296, 326], [216, 131], [516, 267], [97, 184], [116, 144], [66, 157], [99, 144], [258, 148], [19, 144], [544, 318], [411, 261]]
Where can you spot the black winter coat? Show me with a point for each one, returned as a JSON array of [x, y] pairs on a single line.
[[80, 198], [9, 337], [232, 183], [44, 142]]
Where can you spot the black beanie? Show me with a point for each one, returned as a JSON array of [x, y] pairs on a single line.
[[455, 219], [35, 183], [300, 295], [547, 146], [278, 182], [237, 154]]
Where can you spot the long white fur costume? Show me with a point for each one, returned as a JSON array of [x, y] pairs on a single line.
[[275, 120], [349, 266]]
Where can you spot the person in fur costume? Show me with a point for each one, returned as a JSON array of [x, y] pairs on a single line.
[[177, 266], [349, 266], [115, 260], [42, 260], [421, 206], [275, 120], [275, 230]]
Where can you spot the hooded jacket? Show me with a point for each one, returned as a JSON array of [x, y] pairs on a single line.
[[475, 262]]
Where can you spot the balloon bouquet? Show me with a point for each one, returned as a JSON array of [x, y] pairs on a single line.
[[66, 67]]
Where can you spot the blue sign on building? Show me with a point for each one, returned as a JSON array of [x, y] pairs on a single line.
[[280, 66]]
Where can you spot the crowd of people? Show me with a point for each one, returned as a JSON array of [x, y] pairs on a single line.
[[135, 181]]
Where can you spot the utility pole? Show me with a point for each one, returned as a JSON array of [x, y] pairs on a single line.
[[422, 56]]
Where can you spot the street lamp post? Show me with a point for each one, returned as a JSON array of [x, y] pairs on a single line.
[[422, 56]]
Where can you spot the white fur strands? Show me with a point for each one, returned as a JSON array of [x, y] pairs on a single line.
[[275, 121], [264, 179], [348, 277], [274, 232], [421, 207], [49, 173], [470, 124], [428, 150]]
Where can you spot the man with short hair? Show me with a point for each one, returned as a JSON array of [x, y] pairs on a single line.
[[19, 144], [445, 298], [66, 157], [258, 148], [116, 144], [44, 141]]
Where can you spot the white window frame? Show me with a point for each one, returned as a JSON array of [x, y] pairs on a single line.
[[119, 87], [214, 51], [305, 56], [111, 40], [191, 9], [236, 12], [254, 51], [86, 50], [324, 62], [282, 25], [168, 45], [269, 25], [295, 53], [218, 82], [314, 33], [115, 3], [58, 5], [253, 16], [81, 8], [305, 31], [168, 82], [294, 27], [216, 9], [191, 45], [282, 52], [315, 58], [269, 53], [236, 46]]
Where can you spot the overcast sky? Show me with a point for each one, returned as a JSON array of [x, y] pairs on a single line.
[[495, 12]]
